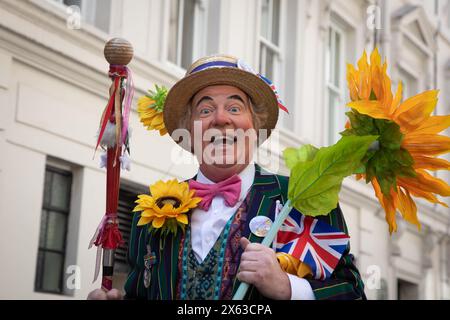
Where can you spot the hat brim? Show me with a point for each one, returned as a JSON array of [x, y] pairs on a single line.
[[181, 93]]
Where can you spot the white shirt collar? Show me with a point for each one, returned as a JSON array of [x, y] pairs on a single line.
[[247, 177]]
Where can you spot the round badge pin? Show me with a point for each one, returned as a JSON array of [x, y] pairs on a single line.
[[260, 226]]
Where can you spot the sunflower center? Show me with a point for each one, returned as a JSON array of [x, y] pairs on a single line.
[[168, 200]]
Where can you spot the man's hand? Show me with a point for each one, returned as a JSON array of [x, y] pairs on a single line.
[[259, 266], [99, 294]]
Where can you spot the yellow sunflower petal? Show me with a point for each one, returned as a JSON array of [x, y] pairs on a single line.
[[144, 220], [157, 120], [148, 212], [426, 144], [364, 84], [407, 207], [415, 110], [159, 189], [389, 205], [373, 108], [158, 222], [397, 99], [432, 184], [430, 163], [381, 83], [352, 82], [163, 131], [183, 218], [375, 58], [417, 192], [145, 101], [386, 89], [433, 125], [425, 183]]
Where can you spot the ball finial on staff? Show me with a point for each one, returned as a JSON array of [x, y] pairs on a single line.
[[118, 51]]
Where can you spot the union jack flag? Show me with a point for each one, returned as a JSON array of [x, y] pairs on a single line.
[[312, 241]]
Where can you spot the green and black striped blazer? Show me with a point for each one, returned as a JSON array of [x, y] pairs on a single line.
[[345, 282]]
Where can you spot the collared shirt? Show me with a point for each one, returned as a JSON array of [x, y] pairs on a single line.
[[206, 227]]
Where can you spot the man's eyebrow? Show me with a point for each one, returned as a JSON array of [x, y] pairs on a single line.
[[236, 97], [204, 98]]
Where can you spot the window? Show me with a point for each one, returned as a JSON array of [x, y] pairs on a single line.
[[187, 27], [407, 290], [94, 12], [335, 80], [127, 197], [53, 231], [269, 40]]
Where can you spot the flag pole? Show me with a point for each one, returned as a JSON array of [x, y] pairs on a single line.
[[268, 239]]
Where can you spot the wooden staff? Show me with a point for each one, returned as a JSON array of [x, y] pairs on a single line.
[[113, 135]]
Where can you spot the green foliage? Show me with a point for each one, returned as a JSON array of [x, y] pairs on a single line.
[[305, 153], [159, 96], [315, 183], [171, 225], [388, 160]]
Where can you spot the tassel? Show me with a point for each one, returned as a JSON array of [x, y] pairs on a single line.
[[125, 162], [109, 136]]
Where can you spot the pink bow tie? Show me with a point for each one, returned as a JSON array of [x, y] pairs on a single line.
[[229, 189]]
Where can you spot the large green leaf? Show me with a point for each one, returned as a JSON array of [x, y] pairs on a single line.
[[314, 185], [293, 156]]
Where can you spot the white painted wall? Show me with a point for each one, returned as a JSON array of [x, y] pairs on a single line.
[[53, 88]]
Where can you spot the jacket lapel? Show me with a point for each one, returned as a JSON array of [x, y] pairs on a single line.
[[164, 275]]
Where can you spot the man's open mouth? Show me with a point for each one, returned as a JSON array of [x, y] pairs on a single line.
[[223, 140]]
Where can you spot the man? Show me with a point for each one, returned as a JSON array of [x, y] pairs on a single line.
[[218, 99]]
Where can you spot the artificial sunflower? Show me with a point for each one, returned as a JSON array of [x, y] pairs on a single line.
[[150, 109], [166, 206], [408, 143]]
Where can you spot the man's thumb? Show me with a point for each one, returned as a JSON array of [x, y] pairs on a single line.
[[244, 242]]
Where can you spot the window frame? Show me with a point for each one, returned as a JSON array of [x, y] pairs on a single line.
[[40, 270], [199, 35], [330, 73], [89, 10], [265, 44]]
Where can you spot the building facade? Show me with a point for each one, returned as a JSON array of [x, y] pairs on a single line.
[[54, 85]]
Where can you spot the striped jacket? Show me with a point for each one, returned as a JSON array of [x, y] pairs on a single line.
[[344, 283]]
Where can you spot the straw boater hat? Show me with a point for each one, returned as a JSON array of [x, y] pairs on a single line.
[[221, 70]]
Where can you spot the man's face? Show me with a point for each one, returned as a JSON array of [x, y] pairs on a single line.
[[220, 111]]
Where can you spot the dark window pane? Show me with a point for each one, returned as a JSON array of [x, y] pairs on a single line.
[[43, 229], [60, 191], [56, 231], [53, 230], [39, 270], [72, 3], [47, 187], [52, 272]]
